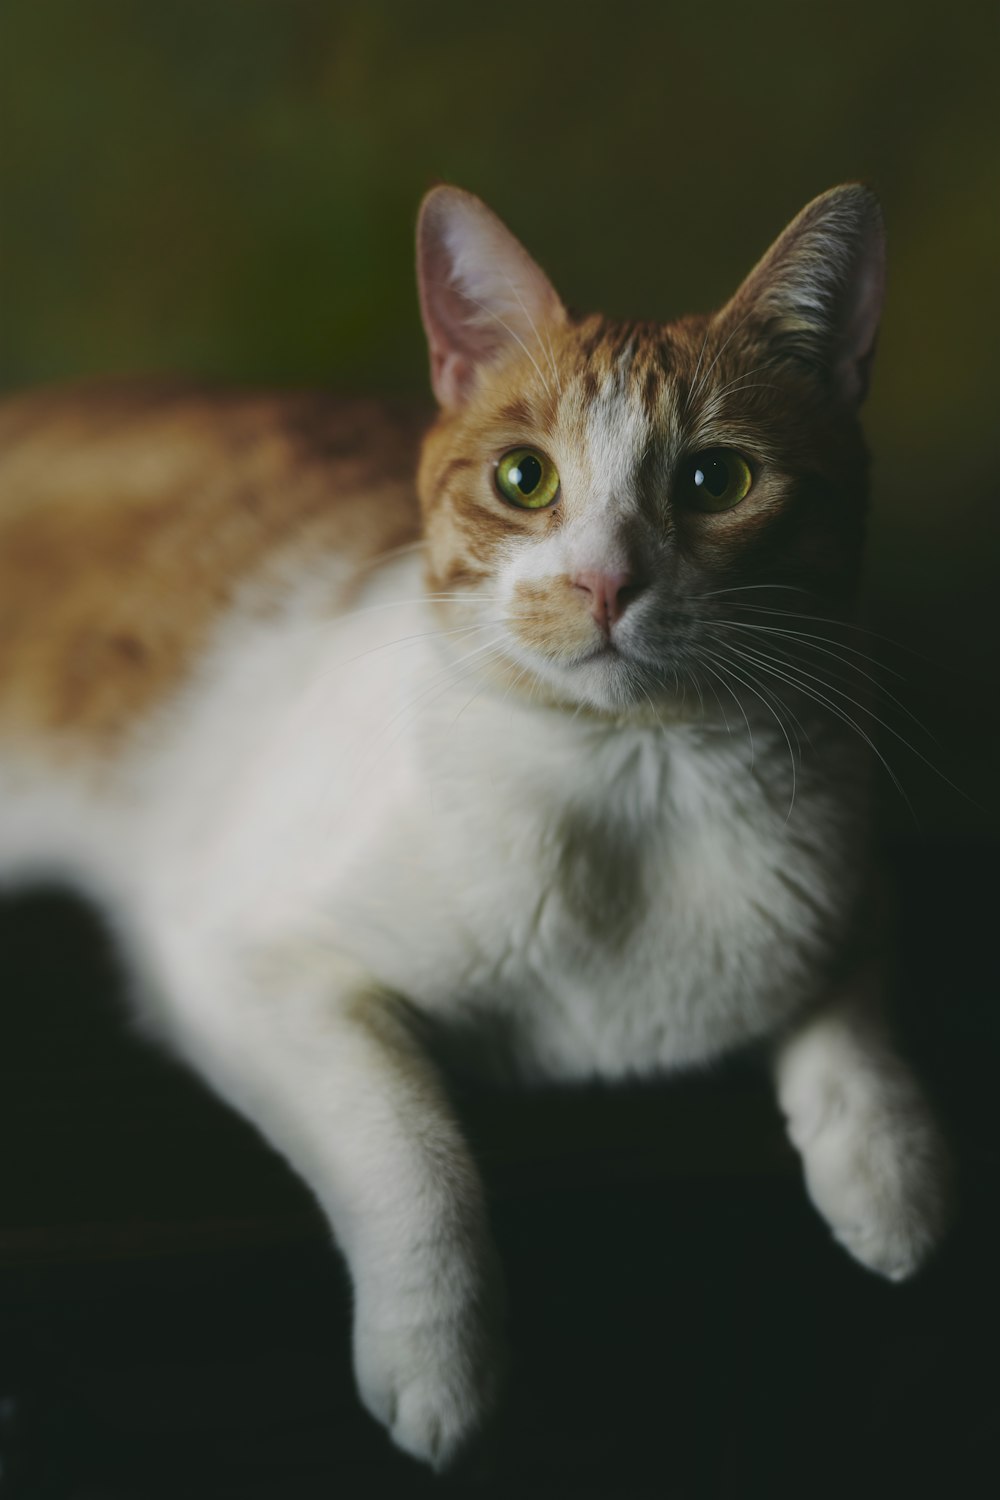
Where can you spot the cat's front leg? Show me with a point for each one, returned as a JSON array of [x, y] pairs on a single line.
[[330, 1069], [875, 1163]]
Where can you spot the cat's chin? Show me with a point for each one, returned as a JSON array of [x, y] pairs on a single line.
[[606, 681]]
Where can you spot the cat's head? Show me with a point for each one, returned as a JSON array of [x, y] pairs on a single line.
[[603, 501]]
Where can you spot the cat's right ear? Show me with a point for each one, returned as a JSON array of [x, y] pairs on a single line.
[[818, 291], [480, 290]]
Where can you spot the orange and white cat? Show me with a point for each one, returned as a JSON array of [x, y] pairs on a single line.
[[517, 745]]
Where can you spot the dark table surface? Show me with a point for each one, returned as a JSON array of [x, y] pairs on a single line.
[[174, 1321]]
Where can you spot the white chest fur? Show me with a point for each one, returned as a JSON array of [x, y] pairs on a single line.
[[619, 899], [635, 899]]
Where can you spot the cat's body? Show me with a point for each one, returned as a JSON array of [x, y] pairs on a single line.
[[356, 792]]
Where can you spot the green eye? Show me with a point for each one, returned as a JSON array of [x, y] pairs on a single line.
[[527, 478], [717, 479]]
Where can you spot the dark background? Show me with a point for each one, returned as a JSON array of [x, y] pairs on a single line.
[[227, 190]]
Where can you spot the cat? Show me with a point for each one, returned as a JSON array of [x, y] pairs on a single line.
[[511, 745]]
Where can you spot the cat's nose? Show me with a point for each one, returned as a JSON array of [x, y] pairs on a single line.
[[609, 594]]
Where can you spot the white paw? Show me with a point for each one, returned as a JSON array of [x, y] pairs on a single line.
[[433, 1383], [881, 1179]]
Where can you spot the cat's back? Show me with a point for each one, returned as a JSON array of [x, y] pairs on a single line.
[[132, 516]]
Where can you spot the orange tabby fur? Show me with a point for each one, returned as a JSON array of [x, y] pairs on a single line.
[[129, 518]]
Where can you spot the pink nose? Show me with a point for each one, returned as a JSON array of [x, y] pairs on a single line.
[[610, 594]]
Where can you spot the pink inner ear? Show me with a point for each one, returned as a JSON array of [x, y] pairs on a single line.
[[480, 291], [452, 376], [455, 336]]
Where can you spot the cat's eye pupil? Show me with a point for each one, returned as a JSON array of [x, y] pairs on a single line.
[[527, 474], [715, 480], [527, 478], [712, 474]]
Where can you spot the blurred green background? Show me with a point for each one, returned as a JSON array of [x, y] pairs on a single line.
[[226, 188]]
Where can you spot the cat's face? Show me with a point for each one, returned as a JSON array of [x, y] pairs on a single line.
[[604, 501]]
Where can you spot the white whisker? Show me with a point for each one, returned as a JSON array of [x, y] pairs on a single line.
[[715, 361], [727, 668], [845, 718], [795, 680], [805, 635], [739, 705], [694, 378], [738, 379], [447, 671], [547, 346], [402, 640], [389, 554], [808, 645]]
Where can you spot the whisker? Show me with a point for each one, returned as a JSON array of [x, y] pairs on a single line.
[[694, 377], [739, 705], [365, 609], [547, 346], [726, 668], [841, 624], [468, 703], [809, 636], [447, 670], [722, 350], [710, 410], [391, 552], [852, 666], [460, 671], [329, 622], [799, 730], [845, 718], [888, 728], [402, 640], [634, 678], [737, 379], [745, 588], [515, 681]]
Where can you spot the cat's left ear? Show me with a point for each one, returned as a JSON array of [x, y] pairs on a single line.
[[818, 291], [480, 291]]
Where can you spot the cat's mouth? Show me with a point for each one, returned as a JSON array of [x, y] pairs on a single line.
[[600, 670], [607, 667], [603, 651]]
